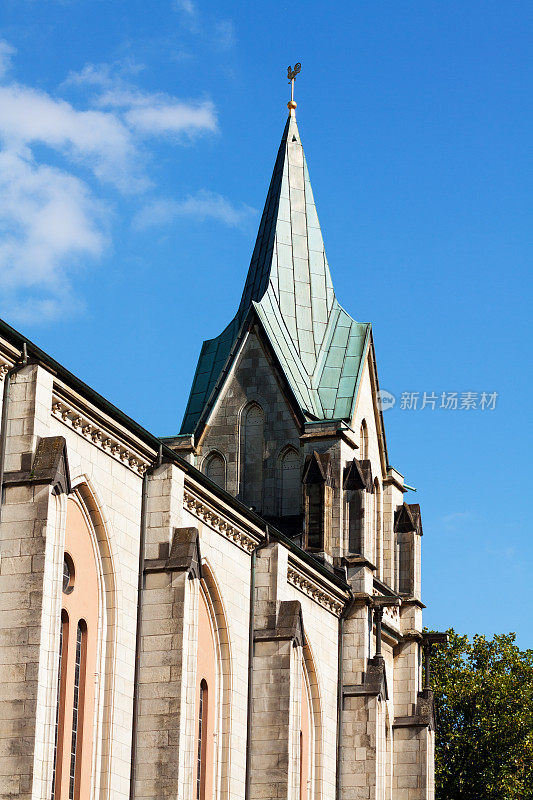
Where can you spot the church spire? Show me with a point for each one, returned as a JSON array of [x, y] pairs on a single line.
[[289, 288]]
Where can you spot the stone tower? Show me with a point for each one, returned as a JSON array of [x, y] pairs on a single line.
[[284, 414]]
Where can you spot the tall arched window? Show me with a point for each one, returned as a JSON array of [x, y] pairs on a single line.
[[252, 456], [215, 469], [201, 766], [291, 487], [306, 738], [77, 661], [206, 689], [363, 441], [378, 534]]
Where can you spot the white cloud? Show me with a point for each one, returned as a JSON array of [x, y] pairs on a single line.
[[172, 118], [201, 206], [145, 113], [58, 158], [49, 222], [6, 53], [106, 75], [98, 139]]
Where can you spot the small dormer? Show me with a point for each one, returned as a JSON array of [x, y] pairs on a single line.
[[318, 484], [407, 533]]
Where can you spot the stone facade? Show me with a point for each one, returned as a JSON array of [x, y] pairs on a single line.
[[292, 528]]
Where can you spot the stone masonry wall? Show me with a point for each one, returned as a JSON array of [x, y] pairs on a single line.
[[252, 379]]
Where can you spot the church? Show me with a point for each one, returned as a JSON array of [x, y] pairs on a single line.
[[233, 612]]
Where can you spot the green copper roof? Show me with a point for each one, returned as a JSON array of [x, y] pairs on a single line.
[[319, 346]]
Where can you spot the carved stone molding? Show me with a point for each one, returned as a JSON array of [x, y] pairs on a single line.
[[99, 437], [314, 591], [4, 369], [204, 512]]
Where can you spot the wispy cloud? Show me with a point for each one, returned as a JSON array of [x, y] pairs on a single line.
[[224, 34], [201, 206], [218, 33], [56, 156], [6, 55], [187, 6], [456, 518], [147, 114]]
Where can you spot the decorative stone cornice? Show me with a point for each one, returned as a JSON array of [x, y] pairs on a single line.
[[202, 510], [313, 590], [100, 437]]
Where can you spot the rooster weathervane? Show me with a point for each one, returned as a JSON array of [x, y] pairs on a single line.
[[292, 72]]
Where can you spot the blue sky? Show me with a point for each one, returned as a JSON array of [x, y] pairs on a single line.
[[136, 145]]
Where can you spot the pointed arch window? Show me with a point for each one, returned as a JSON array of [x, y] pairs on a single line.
[[206, 704], [203, 711], [318, 496], [78, 706], [215, 469], [310, 726], [252, 456], [63, 656], [306, 739], [363, 441], [291, 490], [77, 660], [378, 534]]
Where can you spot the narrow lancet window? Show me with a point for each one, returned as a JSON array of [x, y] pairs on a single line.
[[252, 452], [378, 535], [63, 656], [202, 741], [318, 495], [290, 484], [363, 441], [77, 709], [315, 520], [215, 469]]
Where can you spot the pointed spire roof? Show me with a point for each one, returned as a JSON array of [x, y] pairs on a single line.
[[319, 346]]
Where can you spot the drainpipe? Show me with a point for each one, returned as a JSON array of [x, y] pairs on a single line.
[[3, 425], [140, 585], [251, 626], [340, 686]]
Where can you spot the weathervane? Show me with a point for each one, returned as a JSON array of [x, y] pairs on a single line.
[[292, 72]]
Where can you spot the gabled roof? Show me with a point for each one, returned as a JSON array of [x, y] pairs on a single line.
[[408, 518], [319, 346]]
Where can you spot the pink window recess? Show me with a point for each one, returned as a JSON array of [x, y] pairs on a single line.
[[305, 741], [79, 627], [205, 704]]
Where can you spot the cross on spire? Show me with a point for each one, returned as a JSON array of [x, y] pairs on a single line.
[[292, 72]]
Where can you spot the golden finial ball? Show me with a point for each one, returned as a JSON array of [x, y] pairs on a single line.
[[291, 105]]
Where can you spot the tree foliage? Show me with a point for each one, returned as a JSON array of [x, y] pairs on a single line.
[[484, 696]]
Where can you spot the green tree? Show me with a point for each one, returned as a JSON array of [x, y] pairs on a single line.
[[484, 696]]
